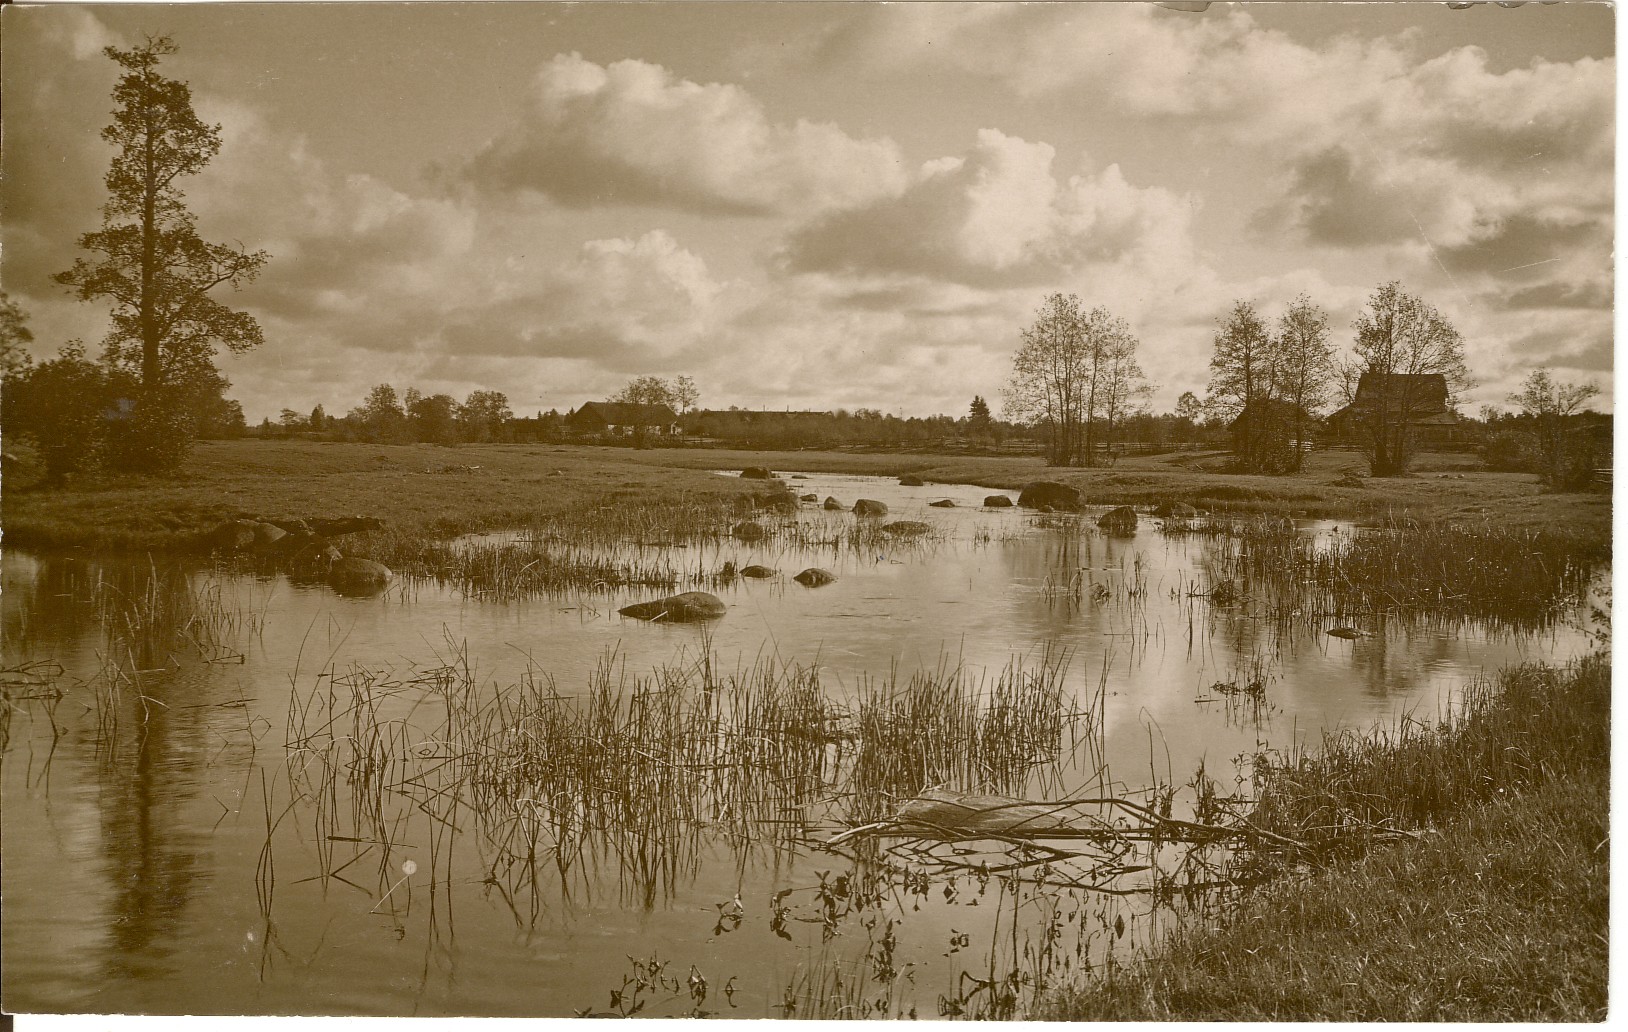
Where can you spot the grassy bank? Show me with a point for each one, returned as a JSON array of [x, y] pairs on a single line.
[[1495, 909], [421, 491], [429, 491]]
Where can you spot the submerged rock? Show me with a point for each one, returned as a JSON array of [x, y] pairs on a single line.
[[869, 507], [832, 504], [905, 528], [1059, 497], [1344, 632], [359, 577], [998, 502], [756, 473], [814, 577], [758, 571], [1119, 521], [685, 608], [943, 503], [809, 498], [911, 480]]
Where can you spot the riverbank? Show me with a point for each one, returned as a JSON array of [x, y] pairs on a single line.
[[1498, 909], [435, 492]]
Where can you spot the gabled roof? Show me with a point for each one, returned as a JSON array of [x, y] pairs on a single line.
[[1426, 396], [1275, 409], [616, 413]]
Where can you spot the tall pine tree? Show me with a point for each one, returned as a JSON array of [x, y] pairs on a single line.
[[149, 262]]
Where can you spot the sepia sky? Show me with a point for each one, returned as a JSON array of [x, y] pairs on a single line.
[[820, 205]]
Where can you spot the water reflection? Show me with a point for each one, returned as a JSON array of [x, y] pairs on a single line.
[[377, 725]]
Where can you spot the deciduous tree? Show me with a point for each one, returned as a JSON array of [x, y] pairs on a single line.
[[1072, 376], [1243, 381], [1402, 343], [1563, 460], [14, 333], [484, 415], [1304, 363]]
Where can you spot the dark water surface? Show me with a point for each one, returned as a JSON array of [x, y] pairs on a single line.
[[137, 871]]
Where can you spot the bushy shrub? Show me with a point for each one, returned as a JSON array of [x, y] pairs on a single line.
[[1510, 451], [59, 405]]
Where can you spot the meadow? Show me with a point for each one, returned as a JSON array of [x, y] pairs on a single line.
[[431, 492]]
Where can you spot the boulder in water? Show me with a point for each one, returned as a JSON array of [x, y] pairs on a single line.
[[809, 498], [1060, 497], [832, 505], [869, 507], [943, 503], [814, 577], [1119, 521], [359, 577], [998, 502], [686, 608], [758, 572], [756, 473], [1347, 633]]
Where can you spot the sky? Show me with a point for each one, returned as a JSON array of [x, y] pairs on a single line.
[[835, 205]]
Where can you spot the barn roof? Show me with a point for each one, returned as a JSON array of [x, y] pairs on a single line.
[[617, 413]]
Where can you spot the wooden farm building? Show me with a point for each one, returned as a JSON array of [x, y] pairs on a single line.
[[1421, 397], [619, 418]]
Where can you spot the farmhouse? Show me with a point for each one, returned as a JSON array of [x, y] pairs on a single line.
[[1419, 398], [620, 418]]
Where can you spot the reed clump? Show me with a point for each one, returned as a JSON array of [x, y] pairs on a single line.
[[946, 727], [1468, 569], [645, 772]]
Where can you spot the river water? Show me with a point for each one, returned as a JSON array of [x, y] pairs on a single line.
[[164, 851]]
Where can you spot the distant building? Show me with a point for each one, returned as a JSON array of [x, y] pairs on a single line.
[[620, 418], [1419, 399], [1269, 434]]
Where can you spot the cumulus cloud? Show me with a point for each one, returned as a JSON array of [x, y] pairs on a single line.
[[1500, 172], [996, 216], [1378, 147], [632, 133], [1137, 57]]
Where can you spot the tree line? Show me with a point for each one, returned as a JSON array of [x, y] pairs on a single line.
[[1076, 381]]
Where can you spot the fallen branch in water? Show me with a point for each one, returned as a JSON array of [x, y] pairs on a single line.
[[941, 815]]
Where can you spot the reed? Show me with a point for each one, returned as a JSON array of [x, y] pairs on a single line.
[[1534, 724]]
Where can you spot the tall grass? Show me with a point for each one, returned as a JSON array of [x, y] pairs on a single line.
[[1533, 725], [644, 772], [1440, 568]]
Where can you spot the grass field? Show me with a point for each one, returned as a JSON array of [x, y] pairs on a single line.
[[435, 491]]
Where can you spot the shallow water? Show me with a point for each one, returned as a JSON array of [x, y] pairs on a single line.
[[136, 858]]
